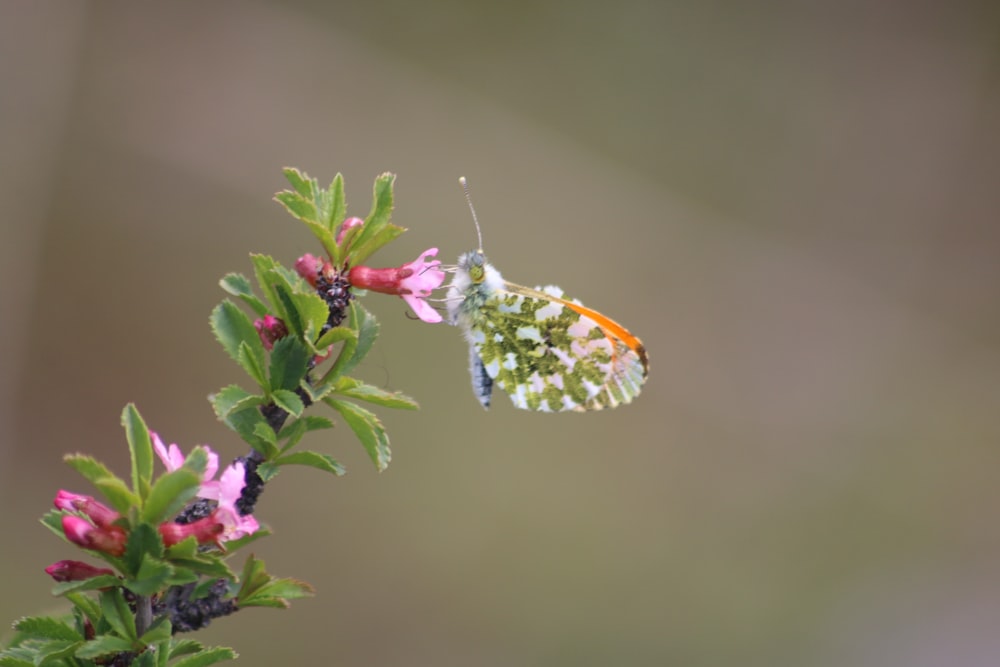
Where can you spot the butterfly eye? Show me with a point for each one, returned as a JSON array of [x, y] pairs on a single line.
[[477, 273]]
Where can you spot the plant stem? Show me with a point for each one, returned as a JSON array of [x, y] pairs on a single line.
[[143, 614]]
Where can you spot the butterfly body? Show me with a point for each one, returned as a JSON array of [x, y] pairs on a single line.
[[547, 352]]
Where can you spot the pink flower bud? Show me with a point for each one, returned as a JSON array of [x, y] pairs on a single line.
[[100, 514], [348, 224], [74, 570], [205, 531], [79, 531], [271, 330], [308, 266]]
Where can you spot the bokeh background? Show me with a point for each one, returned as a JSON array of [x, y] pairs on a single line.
[[794, 204]]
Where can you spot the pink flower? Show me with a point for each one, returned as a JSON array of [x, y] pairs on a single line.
[[228, 491], [173, 459], [84, 534], [413, 281], [271, 330], [100, 514], [74, 570]]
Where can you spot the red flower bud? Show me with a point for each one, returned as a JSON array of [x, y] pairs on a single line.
[[100, 514], [79, 531], [205, 531], [74, 570]]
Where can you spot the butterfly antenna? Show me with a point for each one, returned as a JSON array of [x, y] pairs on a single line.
[[468, 198]]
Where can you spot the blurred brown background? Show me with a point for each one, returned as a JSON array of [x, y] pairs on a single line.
[[794, 204]]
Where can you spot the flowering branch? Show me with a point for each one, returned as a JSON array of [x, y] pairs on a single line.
[[167, 538]]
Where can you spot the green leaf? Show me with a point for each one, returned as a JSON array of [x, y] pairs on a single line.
[[289, 589], [351, 355], [356, 389], [233, 398], [306, 187], [289, 363], [143, 540], [369, 430], [53, 651], [170, 494], [103, 645], [47, 628], [186, 548], [295, 429], [252, 364], [140, 448], [86, 605], [117, 493], [158, 632], [184, 647], [249, 422], [335, 335], [232, 546], [151, 578], [288, 401], [239, 286], [92, 584], [313, 460], [208, 564], [338, 208], [117, 613], [233, 329], [207, 657], [377, 230]]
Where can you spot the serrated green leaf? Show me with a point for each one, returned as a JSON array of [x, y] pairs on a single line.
[[295, 429], [264, 432], [298, 206], [361, 251], [53, 651], [287, 588], [47, 628], [117, 613], [367, 331], [335, 335], [207, 657], [86, 605], [232, 546], [182, 647], [369, 239], [313, 460], [338, 209], [158, 632], [92, 584], [288, 401], [117, 493], [248, 423], [170, 494], [356, 389], [95, 472], [143, 540], [53, 521], [289, 363], [151, 578], [208, 564], [369, 430], [186, 548], [252, 364], [9, 658], [301, 183], [239, 286], [103, 645], [140, 449], [233, 398], [253, 576], [234, 330]]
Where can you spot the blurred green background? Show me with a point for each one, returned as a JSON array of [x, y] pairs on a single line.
[[794, 204]]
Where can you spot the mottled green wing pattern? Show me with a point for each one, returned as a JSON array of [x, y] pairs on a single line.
[[549, 357]]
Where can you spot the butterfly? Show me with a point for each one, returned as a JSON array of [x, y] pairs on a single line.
[[548, 352]]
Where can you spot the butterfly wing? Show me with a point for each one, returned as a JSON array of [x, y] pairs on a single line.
[[553, 354]]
